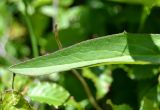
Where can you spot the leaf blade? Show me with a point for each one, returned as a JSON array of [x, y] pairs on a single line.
[[122, 48]]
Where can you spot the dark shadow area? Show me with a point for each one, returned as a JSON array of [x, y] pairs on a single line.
[[126, 87]]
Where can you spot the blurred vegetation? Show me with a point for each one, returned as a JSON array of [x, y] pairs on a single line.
[[27, 25]]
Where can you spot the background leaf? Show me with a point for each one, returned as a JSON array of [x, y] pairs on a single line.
[[158, 96], [149, 3], [12, 100], [51, 94], [142, 72], [102, 81], [119, 107], [147, 104]]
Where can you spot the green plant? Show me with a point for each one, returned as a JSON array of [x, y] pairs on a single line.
[[123, 48], [112, 72]]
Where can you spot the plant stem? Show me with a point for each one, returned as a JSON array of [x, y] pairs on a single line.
[[13, 77], [87, 90], [31, 32], [56, 37], [79, 77]]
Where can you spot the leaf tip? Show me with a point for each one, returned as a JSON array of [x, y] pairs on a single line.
[[124, 32]]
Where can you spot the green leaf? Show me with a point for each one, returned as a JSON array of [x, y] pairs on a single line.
[[51, 94], [142, 72], [12, 100], [124, 48], [149, 95], [101, 82], [158, 91], [66, 2], [119, 107], [149, 3], [71, 104], [147, 104]]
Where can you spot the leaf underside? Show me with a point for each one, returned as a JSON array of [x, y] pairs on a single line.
[[123, 48]]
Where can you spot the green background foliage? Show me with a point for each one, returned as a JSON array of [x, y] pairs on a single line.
[[26, 31]]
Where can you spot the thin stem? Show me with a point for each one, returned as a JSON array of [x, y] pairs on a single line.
[[87, 90], [13, 77], [79, 77], [31, 32], [56, 37], [1, 100]]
